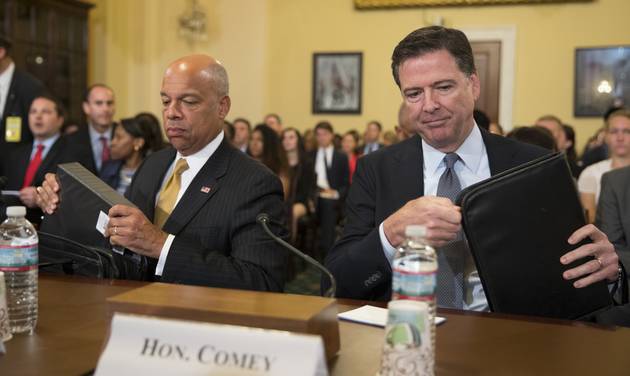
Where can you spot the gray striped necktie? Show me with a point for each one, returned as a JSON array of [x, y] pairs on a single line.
[[451, 257]]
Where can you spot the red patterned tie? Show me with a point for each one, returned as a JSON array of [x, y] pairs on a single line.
[[33, 165], [105, 152]]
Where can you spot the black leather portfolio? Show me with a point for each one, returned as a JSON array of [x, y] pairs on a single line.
[[83, 197], [517, 224]]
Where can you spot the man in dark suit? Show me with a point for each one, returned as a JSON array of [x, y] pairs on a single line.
[[27, 164], [613, 211], [197, 204], [397, 187], [371, 137], [332, 170], [92, 143], [17, 91]]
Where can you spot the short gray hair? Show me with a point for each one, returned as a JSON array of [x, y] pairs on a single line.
[[219, 77]]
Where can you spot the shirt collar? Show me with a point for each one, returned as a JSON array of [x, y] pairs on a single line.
[[95, 136], [5, 77], [48, 143], [470, 152], [197, 160]]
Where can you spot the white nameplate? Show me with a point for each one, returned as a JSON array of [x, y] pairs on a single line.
[[141, 345]]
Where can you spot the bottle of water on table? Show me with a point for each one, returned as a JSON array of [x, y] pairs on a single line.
[[18, 261]]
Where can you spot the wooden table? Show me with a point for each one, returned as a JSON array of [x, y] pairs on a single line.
[[73, 320]]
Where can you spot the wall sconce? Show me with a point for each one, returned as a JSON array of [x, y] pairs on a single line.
[[192, 24]]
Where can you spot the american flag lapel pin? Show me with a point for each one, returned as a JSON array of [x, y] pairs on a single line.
[[205, 189]]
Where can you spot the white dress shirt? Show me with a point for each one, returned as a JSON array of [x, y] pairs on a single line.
[[320, 166], [195, 162], [48, 143], [5, 84], [472, 167]]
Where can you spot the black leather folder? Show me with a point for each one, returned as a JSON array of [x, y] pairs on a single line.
[[517, 224], [83, 197]]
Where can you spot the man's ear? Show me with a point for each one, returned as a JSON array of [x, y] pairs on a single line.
[[476, 86], [224, 106]]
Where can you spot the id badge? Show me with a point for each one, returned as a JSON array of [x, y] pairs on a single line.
[[13, 130]]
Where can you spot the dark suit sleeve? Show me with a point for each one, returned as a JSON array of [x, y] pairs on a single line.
[[609, 218], [251, 260], [357, 260]]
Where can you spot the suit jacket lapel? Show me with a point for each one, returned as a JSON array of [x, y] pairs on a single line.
[[500, 154], [411, 181], [200, 190]]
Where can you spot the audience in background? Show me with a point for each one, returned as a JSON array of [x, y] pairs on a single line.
[[265, 147], [349, 145], [92, 143], [151, 123], [274, 122], [371, 137], [331, 167], [617, 139], [228, 128], [302, 188], [496, 128], [482, 120], [534, 135], [310, 142], [242, 131], [405, 128], [569, 150], [133, 140], [27, 164], [389, 138], [596, 149]]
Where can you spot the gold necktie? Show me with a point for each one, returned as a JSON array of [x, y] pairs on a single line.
[[168, 195]]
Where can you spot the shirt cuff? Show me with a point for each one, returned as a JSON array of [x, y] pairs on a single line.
[[388, 249], [163, 254]]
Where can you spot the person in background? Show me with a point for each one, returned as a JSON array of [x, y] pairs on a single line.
[[618, 141], [496, 128], [482, 120], [132, 142], [265, 147], [570, 150], [534, 135], [302, 188], [92, 143], [404, 129], [27, 164], [242, 132], [274, 122], [150, 122], [228, 128], [349, 145], [390, 138], [18, 89], [596, 149], [310, 142], [371, 137], [331, 167]]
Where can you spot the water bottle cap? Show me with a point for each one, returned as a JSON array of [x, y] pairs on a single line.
[[16, 211], [415, 231]]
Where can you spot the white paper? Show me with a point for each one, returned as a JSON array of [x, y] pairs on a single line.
[[102, 222], [10, 193], [140, 345], [371, 315]]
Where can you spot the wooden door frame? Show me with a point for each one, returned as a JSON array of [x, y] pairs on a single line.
[[507, 36]]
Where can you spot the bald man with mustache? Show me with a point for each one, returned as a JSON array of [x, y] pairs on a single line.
[[197, 203]]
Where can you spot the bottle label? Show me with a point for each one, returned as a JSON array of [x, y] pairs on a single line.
[[18, 258], [414, 285], [408, 347]]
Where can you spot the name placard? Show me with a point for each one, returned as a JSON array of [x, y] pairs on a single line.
[[146, 345]]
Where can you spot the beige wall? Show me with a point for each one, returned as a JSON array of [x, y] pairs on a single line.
[[267, 47], [132, 42]]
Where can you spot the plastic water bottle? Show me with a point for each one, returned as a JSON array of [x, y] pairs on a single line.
[[414, 278], [18, 261]]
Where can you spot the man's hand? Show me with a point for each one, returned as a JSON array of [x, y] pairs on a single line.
[[605, 265], [48, 194], [28, 196], [438, 214], [130, 228]]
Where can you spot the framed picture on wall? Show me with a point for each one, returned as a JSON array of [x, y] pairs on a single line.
[[337, 82], [602, 79]]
